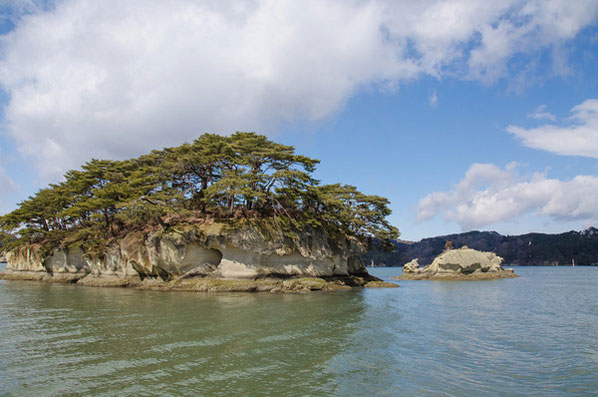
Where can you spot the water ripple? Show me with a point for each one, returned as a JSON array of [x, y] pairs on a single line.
[[537, 334]]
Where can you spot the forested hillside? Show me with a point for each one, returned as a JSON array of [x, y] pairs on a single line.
[[528, 249]]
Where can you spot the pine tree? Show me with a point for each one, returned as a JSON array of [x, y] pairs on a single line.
[[222, 178]]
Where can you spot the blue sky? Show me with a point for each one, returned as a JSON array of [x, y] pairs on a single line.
[[466, 115]]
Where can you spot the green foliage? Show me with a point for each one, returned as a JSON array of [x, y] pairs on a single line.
[[244, 176], [5, 240], [354, 212]]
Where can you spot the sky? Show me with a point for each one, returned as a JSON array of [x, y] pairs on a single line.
[[466, 115]]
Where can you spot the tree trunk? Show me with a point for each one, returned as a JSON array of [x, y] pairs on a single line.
[[106, 219], [202, 195]]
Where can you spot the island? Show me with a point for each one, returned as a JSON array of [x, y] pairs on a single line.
[[223, 213], [458, 264]]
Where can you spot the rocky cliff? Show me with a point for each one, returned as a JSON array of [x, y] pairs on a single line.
[[459, 264], [206, 257]]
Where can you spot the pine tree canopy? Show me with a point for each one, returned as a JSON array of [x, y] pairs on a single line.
[[214, 178]]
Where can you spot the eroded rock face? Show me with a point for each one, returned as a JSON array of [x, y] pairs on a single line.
[[199, 252], [464, 263], [411, 266]]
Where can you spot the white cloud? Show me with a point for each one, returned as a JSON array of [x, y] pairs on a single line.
[[433, 100], [7, 185], [116, 78], [540, 113], [12, 10], [488, 195], [578, 138]]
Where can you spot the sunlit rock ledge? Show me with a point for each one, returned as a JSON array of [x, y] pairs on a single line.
[[458, 264], [202, 258]]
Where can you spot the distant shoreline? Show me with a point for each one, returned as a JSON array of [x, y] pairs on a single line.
[[531, 249]]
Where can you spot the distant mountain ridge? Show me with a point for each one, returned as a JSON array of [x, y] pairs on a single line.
[[532, 249]]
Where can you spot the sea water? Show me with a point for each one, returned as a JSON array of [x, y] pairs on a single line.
[[534, 335]]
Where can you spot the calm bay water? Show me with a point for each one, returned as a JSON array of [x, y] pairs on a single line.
[[537, 334]]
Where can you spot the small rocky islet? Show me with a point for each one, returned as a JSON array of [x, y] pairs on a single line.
[[236, 213], [458, 264]]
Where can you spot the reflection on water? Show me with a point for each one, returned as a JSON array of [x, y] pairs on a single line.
[[67, 339], [537, 334]]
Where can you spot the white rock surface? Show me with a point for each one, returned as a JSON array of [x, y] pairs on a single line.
[[464, 263], [208, 251]]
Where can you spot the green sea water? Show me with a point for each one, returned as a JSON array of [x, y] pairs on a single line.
[[534, 335]]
